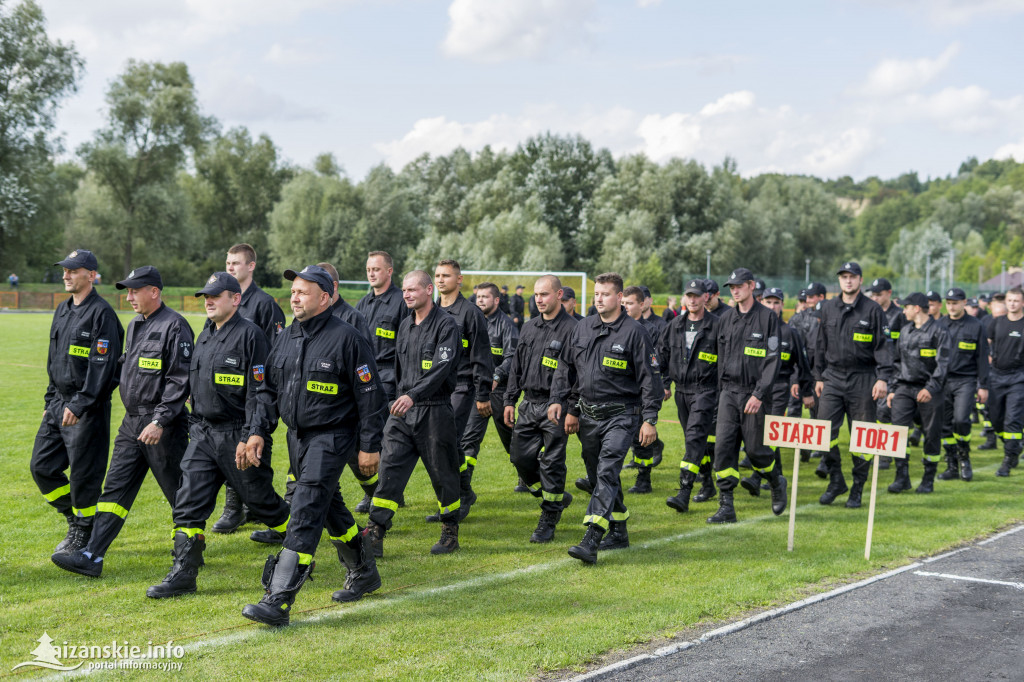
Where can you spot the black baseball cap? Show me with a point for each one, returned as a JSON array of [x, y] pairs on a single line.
[[816, 289], [973, 302], [695, 286], [519, 286], [916, 298], [775, 292], [145, 276], [933, 295], [999, 296], [218, 282], [852, 267], [711, 286], [879, 285], [985, 297], [79, 259], [315, 274], [759, 286], [567, 293], [740, 276], [956, 294], [504, 287], [646, 292], [802, 295]]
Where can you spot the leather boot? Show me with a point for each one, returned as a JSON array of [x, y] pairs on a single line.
[[362, 577], [233, 515], [1004, 468], [822, 470], [990, 441], [778, 487], [545, 530], [884, 463], [856, 491], [726, 512], [283, 576], [188, 557], [521, 486], [952, 465], [914, 438], [752, 484], [836, 487], [584, 485], [902, 480], [617, 537], [586, 551], [928, 479], [449, 541], [643, 481], [364, 504], [707, 485], [77, 537], [375, 534], [79, 562], [681, 501], [966, 472]]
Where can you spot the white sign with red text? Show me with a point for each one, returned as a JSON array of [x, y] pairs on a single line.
[[802, 434], [878, 439]]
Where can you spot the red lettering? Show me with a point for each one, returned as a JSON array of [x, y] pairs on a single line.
[[895, 441], [808, 433], [872, 438], [859, 431], [773, 430], [821, 435], [883, 439]]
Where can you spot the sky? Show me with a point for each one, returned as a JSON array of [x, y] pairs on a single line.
[[833, 88]]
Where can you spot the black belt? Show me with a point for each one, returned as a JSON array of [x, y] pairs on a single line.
[[607, 410], [226, 425], [537, 397]]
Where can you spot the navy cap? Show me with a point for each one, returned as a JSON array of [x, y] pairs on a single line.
[[711, 286], [933, 295], [775, 292], [519, 286], [802, 296], [999, 296], [916, 298], [646, 292], [567, 293], [740, 276], [879, 285], [973, 302], [145, 276], [315, 274], [956, 294], [695, 286], [759, 286], [79, 259], [504, 287], [850, 266], [985, 297], [816, 289], [218, 282]]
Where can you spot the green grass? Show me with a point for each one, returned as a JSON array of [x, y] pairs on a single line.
[[499, 609]]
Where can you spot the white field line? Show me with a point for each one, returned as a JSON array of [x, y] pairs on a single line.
[[987, 581]]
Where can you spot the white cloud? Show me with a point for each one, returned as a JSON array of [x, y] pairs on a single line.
[[294, 55], [727, 104], [834, 155], [897, 76], [1012, 150], [501, 30]]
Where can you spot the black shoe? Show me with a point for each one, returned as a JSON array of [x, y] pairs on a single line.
[[707, 491], [1014, 461], [545, 530], [465, 504], [449, 541], [283, 575], [268, 536], [752, 484], [362, 577], [233, 515], [836, 487], [990, 443], [853, 501], [914, 438], [77, 562], [726, 512], [521, 487], [375, 533], [77, 538], [584, 485], [188, 557], [966, 471], [952, 471], [1004, 468], [805, 455], [681, 501], [884, 463], [778, 489], [928, 479], [617, 537], [643, 482], [902, 480], [822, 470], [364, 505], [586, 551]]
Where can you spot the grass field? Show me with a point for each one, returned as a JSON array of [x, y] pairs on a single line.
[[499, 609]]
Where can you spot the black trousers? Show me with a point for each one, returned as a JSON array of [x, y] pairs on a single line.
[[1006, 408], [386, 374], [129, 464], [82, 448], [734, 426], [847, 397], [366, 482], [957, 408], [476, 428], [605, 444], [697, 409], [209, 462], [463, 404], [538, 454], [904, 410], [425, 432]]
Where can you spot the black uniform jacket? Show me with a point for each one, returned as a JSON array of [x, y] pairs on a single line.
[[699, 368], [503, 336], [475, 365], [541, 344], [428, 357], [794, 367], [346, 313], [852, 339], [970, 348], [228, 364], [383, 315], [748, 350], [922, 357], [154, 370], [260, 308]]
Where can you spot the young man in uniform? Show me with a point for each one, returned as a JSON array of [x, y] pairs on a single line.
[[518, 305], [569, 303], [617, 384], [154, 433], [538, 445], [74, 437], [321, 381], [384, 311], [1006, 380], [880, 292]]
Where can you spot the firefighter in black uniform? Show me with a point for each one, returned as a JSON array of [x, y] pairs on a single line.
[[503, 337], [617, 385], [422, 421], [154, 433], [1006, 380], [321, 380], [518, 305], [260, 308], [634, 300], [538, 445], [714, 305], [880, 292], [384, 310], [921, 363], [476, 368], [688, 354], [85, 341], [228, 364], [748, 364], [967, 376], [568, 302], [852, 365]]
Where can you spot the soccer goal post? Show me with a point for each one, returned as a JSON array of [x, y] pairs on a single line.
[[527, 278]]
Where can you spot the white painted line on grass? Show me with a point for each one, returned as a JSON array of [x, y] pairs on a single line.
[[987, 581]]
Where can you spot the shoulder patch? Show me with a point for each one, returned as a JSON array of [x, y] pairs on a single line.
[[257, 372], [364, 373]]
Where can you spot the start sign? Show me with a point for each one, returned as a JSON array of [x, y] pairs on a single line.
[[878, 439], [802, 434]]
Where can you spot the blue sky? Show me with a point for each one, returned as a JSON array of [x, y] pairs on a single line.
[[843, 87]]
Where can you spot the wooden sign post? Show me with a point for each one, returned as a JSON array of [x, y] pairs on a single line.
[[878, 440], [800, 434]]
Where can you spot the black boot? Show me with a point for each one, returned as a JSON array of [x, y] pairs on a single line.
[[233, 515], [966, 472], [745, 463], [617, 537], [643, 481], [1004, 468], [521, 486], [707, 488], [584, 485], [268, 536], [586, 551], [884, 463], [681, 502], [77, 537], [928, 479], [726, 512], [902, 480], [1014, 461], [631, 464], [952, 465], [822, 470], [283, 575], [914, 438], [752, 484], [467, 497], [375, 534], [78, 562], [836, 487], [364, 504], [449, 541], [188, 557], [545, 530], [856, 491], [990, 441], [778, 487], [362, 577]]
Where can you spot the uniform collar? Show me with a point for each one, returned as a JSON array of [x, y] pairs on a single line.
[[553, 321], [430, 316], [221, 333], [313, 325]]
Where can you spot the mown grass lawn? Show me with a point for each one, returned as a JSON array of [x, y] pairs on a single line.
[[499, 609]]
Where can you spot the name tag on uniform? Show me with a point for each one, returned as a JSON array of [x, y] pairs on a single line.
[[427, 364], [754, 352], [707, 357], [320, 387], [967, 345], [549, 362], [929, 352], [386, 333], [497, 351], [785, 356], [863, 338], [151, 363], [894, 335], [465, 343], [229, 379], [614, 363], [79, 351]]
